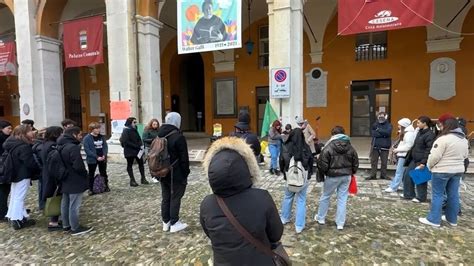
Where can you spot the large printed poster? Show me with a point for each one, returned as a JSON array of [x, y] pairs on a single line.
[[8, 65], [208, 25]]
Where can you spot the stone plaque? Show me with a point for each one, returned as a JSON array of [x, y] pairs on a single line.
[[443, 79], [316, 88]]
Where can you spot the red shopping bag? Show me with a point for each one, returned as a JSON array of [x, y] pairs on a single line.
[[353, 185]]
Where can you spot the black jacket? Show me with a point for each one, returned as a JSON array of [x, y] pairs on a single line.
[[295, 146], [23, 161], [422, 146], [48, 184], [178, 150], [3, 138], [131, 142], [77, 180], [251, 139], [381, 134], [338, 158], [254, 209]]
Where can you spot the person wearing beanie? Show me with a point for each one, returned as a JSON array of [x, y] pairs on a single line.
[[173, 185], [242, 130], [406, 139], [133, 150], [274, 145], [381, 143], [5, 132], [232, 172]]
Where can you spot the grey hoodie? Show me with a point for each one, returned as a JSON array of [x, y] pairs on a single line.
[[174, 119]]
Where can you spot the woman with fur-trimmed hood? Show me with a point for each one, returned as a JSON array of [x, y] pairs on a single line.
[[232, 170]]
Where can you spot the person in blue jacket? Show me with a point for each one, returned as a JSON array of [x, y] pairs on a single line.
[[95, 146], [381, 142]]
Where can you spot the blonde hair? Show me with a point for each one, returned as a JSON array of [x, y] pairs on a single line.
[[93, 126], [149, 126], [21, 133]]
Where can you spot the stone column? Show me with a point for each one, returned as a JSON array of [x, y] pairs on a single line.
[[285, 19], [149, 66], [122, 55], [40, 73]]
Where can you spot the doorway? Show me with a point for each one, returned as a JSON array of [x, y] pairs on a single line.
[[72, 89], [190, 101], [368, 98], [262, 97]]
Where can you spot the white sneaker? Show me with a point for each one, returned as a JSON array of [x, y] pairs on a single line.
[[415, 200], [425, 221], [340, 227], [389, 190], [178, 226], [154, 180], [445, 220], [166, 226], [319, 221]]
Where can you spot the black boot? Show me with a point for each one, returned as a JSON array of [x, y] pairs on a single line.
[[133, 183], [271, 171], [144, 181]]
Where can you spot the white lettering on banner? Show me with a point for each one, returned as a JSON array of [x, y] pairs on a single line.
[[84, 54]]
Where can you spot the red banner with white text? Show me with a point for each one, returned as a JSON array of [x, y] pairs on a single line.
[[8, 66], [83, 42], [358, 16]]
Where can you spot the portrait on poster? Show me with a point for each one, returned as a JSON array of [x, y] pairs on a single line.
[[208, 25]]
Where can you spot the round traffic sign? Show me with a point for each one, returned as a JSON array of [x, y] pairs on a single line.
[[280, 75]]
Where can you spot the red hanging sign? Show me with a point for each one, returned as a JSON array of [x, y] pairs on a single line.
[[8, 65], [358, 16], [83, 42]]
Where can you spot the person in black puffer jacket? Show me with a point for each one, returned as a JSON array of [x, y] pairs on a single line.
[[232, 171], [417, 157], [133, 145], [19, 146], [75, 183], [5, 131], [381, 142], [242, 130], [338, 161], [173, 185]]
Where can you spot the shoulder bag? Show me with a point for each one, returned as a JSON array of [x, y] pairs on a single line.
[[278, 254]]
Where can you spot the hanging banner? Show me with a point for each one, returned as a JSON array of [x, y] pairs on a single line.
[[358, 16], [83, 42], [8, 66], [208, 25]]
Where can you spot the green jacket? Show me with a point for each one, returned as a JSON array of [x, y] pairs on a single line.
[[149, 136]]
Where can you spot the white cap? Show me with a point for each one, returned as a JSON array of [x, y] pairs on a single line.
[[404, 122]]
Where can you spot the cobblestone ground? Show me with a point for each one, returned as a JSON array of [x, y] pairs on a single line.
[[381, 229]]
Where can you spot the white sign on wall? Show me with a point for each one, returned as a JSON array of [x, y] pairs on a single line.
[[316, 88], [442, 79], [280, 83]]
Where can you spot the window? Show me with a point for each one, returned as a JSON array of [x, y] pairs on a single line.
[[371, 46], [263, 47]]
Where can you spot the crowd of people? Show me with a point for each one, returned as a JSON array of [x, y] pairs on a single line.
[[231, 164]]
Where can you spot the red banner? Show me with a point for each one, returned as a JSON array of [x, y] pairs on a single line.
[[83, 42], [8, 65], [358, 16]]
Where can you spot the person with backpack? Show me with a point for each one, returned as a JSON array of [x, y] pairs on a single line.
[[295, 162], [74, 183], [150, 133], [95, 146], [417, 159], [381, 133], [232, 171], [49, 185], [173, 185], [446, 162], [338, 161], [5, 132], [274, 145], [133, 150], [22, 169], [37, 147], [242, 130]]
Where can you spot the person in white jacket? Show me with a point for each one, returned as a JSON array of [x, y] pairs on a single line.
[[446, 162], [407, 136]]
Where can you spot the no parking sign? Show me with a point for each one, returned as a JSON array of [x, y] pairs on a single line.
[[280, 83]]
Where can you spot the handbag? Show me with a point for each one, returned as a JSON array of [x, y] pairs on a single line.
[[278, 253], [53, 205], [353, 185], [420, 176]]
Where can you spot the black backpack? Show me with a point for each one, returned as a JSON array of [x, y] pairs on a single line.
[[7, 169], [57, 168]]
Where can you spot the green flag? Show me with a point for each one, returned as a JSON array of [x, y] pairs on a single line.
[[268, 119]]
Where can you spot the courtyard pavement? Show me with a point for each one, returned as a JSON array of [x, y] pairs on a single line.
[[381, 229]]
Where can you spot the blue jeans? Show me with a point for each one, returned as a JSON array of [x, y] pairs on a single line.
[[397, 179], [287, 202], [70, 204], [441, 183], [332, 184], [274, 153]]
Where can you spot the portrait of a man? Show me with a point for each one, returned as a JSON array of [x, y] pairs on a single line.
[[210, 27]]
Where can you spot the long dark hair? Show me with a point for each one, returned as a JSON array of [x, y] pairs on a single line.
[[448, 125], [53, 133], [426, 120]]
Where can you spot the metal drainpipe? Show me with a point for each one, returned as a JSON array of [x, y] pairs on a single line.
[[139, 79]]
